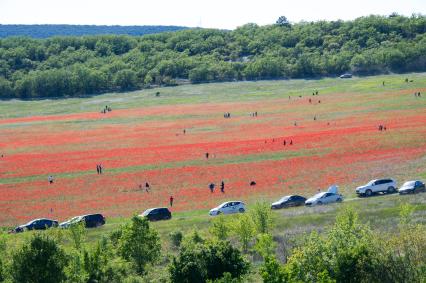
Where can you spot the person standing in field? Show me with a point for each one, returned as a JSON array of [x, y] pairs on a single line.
[[50, 179], [97, 169], [211, 187], [171, 201], [147, 187], [207, 155], [222, 187]]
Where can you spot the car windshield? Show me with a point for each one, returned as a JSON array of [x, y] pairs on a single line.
[[319, 195], [371, 183], [146, 212], [30, 222], [74, 219], [409, 184], [283, 199], [223, 204]]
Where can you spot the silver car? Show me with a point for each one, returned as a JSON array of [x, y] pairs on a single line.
[[323, 198]]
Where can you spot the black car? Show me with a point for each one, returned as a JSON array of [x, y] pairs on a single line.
[[288, 201], [346, 76], [159, 213], [412, 187], [36, 224], [90, 220]]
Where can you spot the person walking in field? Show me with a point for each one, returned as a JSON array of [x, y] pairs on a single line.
[[284, 143], [207, 155], [50, 179], [97, 169], [100, 168], [291, 142], [171, 201], [147, 187], [211, 187], [222, 187]]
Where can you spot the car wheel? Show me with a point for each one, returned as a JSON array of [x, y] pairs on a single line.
[[391, 190], [319, 203], [241, 210], [339, 200], [218, 213], [368, 193]]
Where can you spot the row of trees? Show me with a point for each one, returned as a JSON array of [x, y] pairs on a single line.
[[349, 251], [70, 66]]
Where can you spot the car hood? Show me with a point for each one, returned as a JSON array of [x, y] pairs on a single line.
[[278, 203], [311, 199], [215, 209], [361, 187], [406, 188]]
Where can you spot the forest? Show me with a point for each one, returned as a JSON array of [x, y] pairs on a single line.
[[44, 31], [77, 66]]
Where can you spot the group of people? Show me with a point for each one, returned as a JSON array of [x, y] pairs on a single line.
[[382, 128], [417, 94], [227, 115], [254, 114], [99, 168], [222, 187], [106, 109], [285, 142], [315, 93]]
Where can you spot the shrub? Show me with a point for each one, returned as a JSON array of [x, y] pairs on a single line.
[[220, 228], [176, 238], [207, 261], [262, 217], [243, 228], [139, 243], [41, 260]]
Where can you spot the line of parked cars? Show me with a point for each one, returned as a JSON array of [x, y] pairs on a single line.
[[89, 220]]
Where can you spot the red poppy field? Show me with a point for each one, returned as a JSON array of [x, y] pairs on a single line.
[[334, 139]]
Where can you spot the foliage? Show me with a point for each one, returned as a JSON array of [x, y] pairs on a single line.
[[139, 244], [207, 261], [262, 217], [74, 66], [40, 260], [272, 271], [176, 238], [77, 234], [244, 229], [220, 227], [265, 245]]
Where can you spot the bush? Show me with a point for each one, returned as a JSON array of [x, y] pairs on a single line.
[[139, 243], [176, 238], [208, 261], [220, 228], [243, 228], [262, 217], [41, 260]]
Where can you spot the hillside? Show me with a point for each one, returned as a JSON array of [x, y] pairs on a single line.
[[305, 136], [45, 31], [75, 66]]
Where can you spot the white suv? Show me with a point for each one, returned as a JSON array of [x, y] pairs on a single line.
[[228, 208], [377, 186]]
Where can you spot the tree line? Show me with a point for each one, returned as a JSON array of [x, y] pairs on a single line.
[[44, 31], [74, 66]]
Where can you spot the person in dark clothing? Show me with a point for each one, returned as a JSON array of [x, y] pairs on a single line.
[[222, 187], [291, 142], [171, 201], [100, 168], [284, 143], [207, 155], [316, 92], [147, 187], [184, 131], [211, 187], [97, 168], [252, 183]]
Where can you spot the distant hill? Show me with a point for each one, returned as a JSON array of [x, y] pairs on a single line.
[[44, 31]]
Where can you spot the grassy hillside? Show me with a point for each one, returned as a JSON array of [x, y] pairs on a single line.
[[335, 140]]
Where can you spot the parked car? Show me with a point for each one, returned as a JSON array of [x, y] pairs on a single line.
[[377, 186], [412, 187], [228, 208], [90, 221], [158, 213], [36, 224], [288, 201], [346, 76], [324, 198]]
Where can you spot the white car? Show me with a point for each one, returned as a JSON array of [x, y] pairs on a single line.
[[324, 198], [228, 208], [377, 186]]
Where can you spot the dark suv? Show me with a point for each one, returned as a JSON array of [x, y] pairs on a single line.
[[36, 224], [159, 213], [90, 220]]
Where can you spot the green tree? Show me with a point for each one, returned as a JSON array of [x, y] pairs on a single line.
[[40, 260], [244, 229], [262, 217], [220, 227], [207, 261], [139, 243]]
